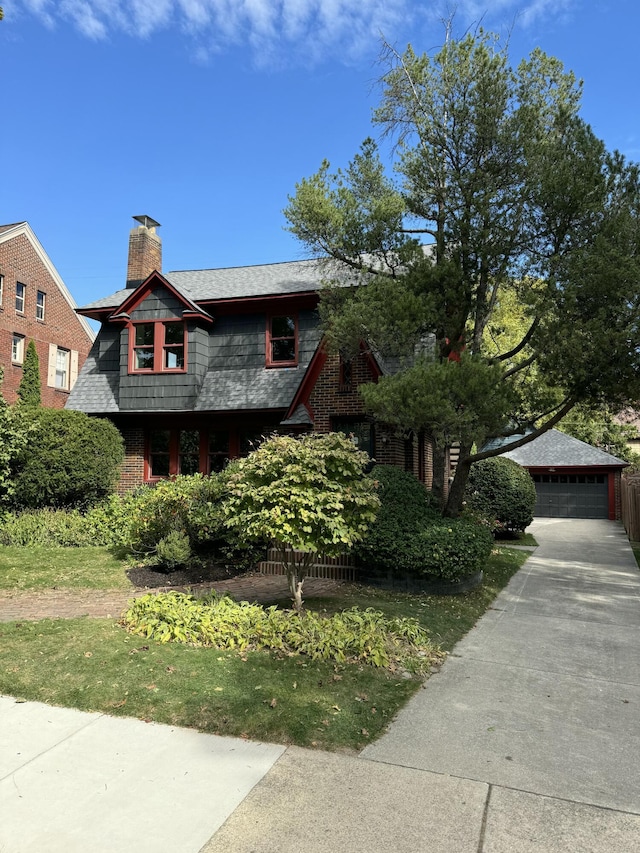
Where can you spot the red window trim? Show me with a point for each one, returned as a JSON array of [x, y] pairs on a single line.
[[158, 347], [204, 457], [174, 453], [269, 339]]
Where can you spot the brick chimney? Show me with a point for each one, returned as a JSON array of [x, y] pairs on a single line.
[[145, 251]]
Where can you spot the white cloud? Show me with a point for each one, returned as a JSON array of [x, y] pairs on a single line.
[[301, 30]]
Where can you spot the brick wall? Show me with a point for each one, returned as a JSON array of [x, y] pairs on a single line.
[[20, 262], [132, 470], [331, 399]]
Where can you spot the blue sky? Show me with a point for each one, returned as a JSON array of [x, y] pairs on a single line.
[[205, 113]]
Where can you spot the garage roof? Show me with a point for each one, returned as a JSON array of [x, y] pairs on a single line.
[[555, 449]]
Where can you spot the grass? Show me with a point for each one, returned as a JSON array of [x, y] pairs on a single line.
[[39, 567], [93, 664]]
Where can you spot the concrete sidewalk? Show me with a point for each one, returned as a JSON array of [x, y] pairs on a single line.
[[528, 739]]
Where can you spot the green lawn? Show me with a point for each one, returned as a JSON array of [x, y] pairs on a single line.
[[93, 664], [38, 568]]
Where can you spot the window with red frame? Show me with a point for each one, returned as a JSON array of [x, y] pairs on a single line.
[[282, 341], [172, 451], [157, 347]]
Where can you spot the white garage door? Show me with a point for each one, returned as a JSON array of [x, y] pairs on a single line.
[[572, 495]]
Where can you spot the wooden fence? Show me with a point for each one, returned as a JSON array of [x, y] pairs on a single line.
[[630, 505]]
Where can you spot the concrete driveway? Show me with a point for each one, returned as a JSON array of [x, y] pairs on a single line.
[[527, 741]]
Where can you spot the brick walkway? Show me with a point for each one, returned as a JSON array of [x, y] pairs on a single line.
[[68, 604]]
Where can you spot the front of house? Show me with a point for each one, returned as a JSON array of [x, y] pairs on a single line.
[[195, 367]]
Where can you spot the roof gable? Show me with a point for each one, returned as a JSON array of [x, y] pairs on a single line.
[[9, 232], [136, 297]]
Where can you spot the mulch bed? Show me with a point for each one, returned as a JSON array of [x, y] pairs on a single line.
[[150, 577]]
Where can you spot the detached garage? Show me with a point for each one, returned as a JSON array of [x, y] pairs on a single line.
[[573, 479]]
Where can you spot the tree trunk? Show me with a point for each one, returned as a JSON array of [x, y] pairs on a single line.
[[458, 486], [439, 466], [296, 570]]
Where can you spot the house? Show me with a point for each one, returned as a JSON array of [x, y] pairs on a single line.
[[195, 366], [35, 304], [572, 478]]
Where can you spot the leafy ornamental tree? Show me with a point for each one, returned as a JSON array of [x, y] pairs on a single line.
[[308, 495], [13, 441], [29, 388], [520, 201]]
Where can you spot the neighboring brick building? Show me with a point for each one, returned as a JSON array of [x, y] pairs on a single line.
[[35, 304], [196, 366]]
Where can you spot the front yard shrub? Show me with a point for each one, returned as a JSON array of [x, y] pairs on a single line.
[[405, 508], [409, 538], [174, 550], [186, 511], [451, 550], [503, 492], [48, 527], [365, 636], [14, 438], [110, 519], [72, 459], [188, 504]]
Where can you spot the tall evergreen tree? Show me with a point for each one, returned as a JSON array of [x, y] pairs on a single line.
[[518, 199], [29, 393]]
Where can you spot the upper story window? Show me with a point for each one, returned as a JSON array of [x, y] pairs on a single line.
[[157, 347], [62, 369], [282, 341], [17, 349], [20, 294], [1, 288], [41, 299]]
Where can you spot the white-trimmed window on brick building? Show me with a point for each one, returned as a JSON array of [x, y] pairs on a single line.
[[21, 290], [17, 349], [62, 370], [1, 289], [41, 299]]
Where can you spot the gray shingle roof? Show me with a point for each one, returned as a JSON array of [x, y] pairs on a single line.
[[248, 388], [300, 417], [557, 449], [95, 392], [236, 282]]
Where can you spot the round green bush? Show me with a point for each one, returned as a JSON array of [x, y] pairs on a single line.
[[451, 550], [405, 507], [410, 540], [72, 460], [503, 492]]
